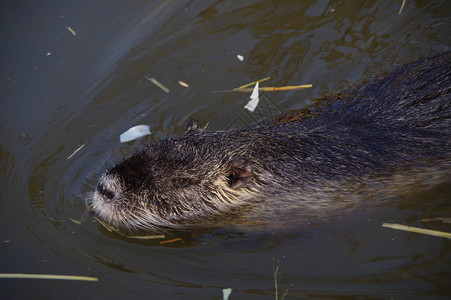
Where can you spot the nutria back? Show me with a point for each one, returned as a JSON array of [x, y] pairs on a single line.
[[365, 138]]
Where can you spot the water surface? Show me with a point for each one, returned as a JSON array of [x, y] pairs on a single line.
[[61, 91]]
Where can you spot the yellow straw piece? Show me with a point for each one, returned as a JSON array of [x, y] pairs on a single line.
[[46, 276], [402, 6], [71, 30], [441, 219], [146, 237], [73, 153], [157, 83], [443, 234], [275, 88], [252, 83]]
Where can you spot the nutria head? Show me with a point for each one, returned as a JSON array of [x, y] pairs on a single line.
[[174, 181]]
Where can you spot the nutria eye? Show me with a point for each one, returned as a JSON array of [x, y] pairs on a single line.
[[181, 182]]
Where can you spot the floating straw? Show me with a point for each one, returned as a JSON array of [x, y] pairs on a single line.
[[47, 276], [446, 235]]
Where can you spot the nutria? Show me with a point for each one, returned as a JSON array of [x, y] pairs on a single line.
[[399, 122]]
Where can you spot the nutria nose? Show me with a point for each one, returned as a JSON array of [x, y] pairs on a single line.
[[106, 192]]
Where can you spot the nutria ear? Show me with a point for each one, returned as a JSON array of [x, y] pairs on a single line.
[[192, 125], [240, 172]]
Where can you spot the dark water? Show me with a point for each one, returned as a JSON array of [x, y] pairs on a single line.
[[61, 91]]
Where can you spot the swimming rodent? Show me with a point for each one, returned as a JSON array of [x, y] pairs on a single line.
[[402, 121]]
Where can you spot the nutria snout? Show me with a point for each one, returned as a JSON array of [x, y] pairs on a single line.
[[401, 120]]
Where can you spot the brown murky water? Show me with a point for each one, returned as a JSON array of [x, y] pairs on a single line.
[[61, 91]]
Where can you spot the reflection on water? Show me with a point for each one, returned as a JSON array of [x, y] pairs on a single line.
[[91, 87]]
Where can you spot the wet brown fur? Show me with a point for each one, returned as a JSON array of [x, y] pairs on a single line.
[[311, 160]]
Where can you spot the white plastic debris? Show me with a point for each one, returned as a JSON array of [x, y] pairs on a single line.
[[252, 104], [226, 293], [135, 133], [240, 57]]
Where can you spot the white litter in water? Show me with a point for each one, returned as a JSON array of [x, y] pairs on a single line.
[[240, 57], [252, 104], [226, 293], [135, 133]]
